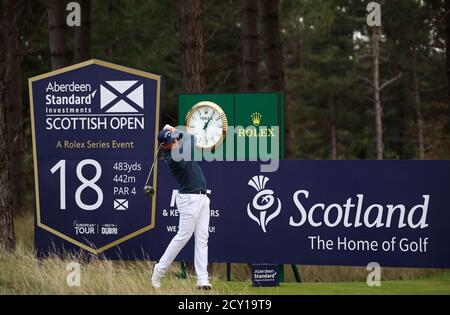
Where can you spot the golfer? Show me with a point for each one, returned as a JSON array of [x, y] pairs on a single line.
[[193, 207]]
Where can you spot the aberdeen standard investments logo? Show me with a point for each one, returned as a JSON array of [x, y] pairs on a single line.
[[262, 202]]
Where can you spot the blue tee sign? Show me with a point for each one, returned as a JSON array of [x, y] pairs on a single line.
[[94, 129]]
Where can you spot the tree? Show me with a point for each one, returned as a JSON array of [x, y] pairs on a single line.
[[377, 86], [57, 33], [333, 136], [249, 81], [418, 106], [413, 49], [192, 51], [14, 106], [275, 60], [447, 43], [274, 53], [8, 69], [83, 33], [192, 46], [321, 78], [7, 239], [375, 44]]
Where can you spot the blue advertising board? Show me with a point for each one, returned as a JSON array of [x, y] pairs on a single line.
[[94, 137], [396, 213]]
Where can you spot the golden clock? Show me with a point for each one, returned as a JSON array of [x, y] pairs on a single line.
[[208, 123]]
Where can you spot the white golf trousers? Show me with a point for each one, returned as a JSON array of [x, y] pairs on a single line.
[[194, 219]]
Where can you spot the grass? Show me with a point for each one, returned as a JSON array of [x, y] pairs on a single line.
[[21, 273], [430, 285]]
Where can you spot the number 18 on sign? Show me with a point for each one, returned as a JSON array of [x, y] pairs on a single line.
[[94, 130]]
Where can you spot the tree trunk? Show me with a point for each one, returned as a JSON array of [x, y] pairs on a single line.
[[192, 49], [333, 141], [375, 41], [7, 238], [249, 81], [110, 40], [192, 46], [14, 132], [274, 61], [417, 103], [447, 43], [274, 53], [249, 46], [57, 33], [83, 33]]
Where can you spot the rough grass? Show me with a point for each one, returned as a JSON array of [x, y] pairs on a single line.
[[22, 273]]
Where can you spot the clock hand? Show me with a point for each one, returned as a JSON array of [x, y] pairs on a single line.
[[207, 123]]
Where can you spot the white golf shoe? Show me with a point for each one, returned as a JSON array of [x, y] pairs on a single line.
[[156, 277], [204, 285]]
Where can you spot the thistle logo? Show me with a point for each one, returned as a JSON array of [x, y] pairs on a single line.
[[262, 201], [256, 119], [122, 96]]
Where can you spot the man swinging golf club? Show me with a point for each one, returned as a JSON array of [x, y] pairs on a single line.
[[192, 203]]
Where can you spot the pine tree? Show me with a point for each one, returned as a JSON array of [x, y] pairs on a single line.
[[249, 14], [192, 46], [57, 33], [275, 61], [9, 105], [83, 33]]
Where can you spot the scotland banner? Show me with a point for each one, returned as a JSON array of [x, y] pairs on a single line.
[[396, 213]]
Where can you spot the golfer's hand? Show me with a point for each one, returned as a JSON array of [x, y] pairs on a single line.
[[169, 127]]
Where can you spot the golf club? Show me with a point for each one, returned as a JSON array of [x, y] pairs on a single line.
[[149, 190]]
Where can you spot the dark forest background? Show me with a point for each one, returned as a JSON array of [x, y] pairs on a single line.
[[352, 91]]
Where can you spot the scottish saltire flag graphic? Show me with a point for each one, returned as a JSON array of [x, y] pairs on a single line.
[[122, 96]]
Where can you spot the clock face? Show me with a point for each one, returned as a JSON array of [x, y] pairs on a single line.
[[208, 123]]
